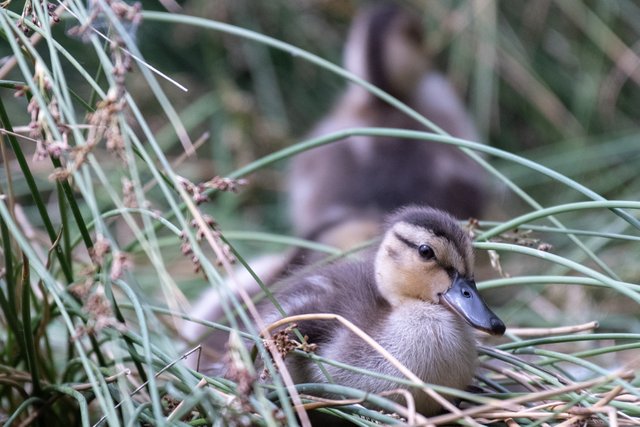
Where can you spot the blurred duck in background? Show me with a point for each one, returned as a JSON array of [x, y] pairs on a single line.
[[341, 192]]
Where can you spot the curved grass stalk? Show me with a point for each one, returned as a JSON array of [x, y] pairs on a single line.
[[31, 401], [252, 236], [577, 232], [622, 287], [83, 407], [546, 280], [348, 392], [568, 338], [595, 352], [568, 207], [408, 134], [258, 236]]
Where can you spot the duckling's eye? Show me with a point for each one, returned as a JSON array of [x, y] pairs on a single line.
[[426, 252]]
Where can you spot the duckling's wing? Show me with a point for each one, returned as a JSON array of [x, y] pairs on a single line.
[[345, 288]]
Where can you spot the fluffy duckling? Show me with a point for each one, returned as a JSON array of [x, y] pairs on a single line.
[[361, 179], [414, 294]]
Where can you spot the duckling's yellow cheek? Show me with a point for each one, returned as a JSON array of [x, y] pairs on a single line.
[[437, 284], [426, 284]]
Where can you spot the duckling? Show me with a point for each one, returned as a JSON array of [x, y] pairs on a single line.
[[414, 294], [364, 178]]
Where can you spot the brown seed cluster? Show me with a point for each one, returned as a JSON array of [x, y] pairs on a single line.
[[95, 304], [523, 238], [517, 237], [198, 192], [121, 261], [244, 381], [29, 13], [187, 249], [285, 342], [101, 247], [128, 193]]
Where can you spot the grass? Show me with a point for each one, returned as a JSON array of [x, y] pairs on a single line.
[[112, 218]]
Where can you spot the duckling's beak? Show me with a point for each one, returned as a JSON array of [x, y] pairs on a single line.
[[463, 298]]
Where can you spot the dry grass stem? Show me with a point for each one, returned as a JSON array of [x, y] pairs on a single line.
[[534, 397], [172, 415], [562, 330], [412, 416], [599, 406], [110, 379], [327, 403]]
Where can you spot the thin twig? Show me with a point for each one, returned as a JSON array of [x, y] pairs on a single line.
[[141, 386], [17, 135], [137, 58]]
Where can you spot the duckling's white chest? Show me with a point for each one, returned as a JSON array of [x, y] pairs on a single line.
[[435, 344], [430, 340]]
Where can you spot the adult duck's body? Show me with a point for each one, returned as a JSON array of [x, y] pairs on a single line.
[[350, 185], [414, 294]]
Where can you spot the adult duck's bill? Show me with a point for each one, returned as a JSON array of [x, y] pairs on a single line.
[[463, 298]]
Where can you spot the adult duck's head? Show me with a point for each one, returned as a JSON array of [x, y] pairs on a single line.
[[425, 255]]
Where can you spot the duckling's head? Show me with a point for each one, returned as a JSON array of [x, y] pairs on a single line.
[[425, 255], [386, 47]]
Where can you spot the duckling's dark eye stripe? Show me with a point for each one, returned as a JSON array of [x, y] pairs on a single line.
[[405, 241], [451, 272]]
